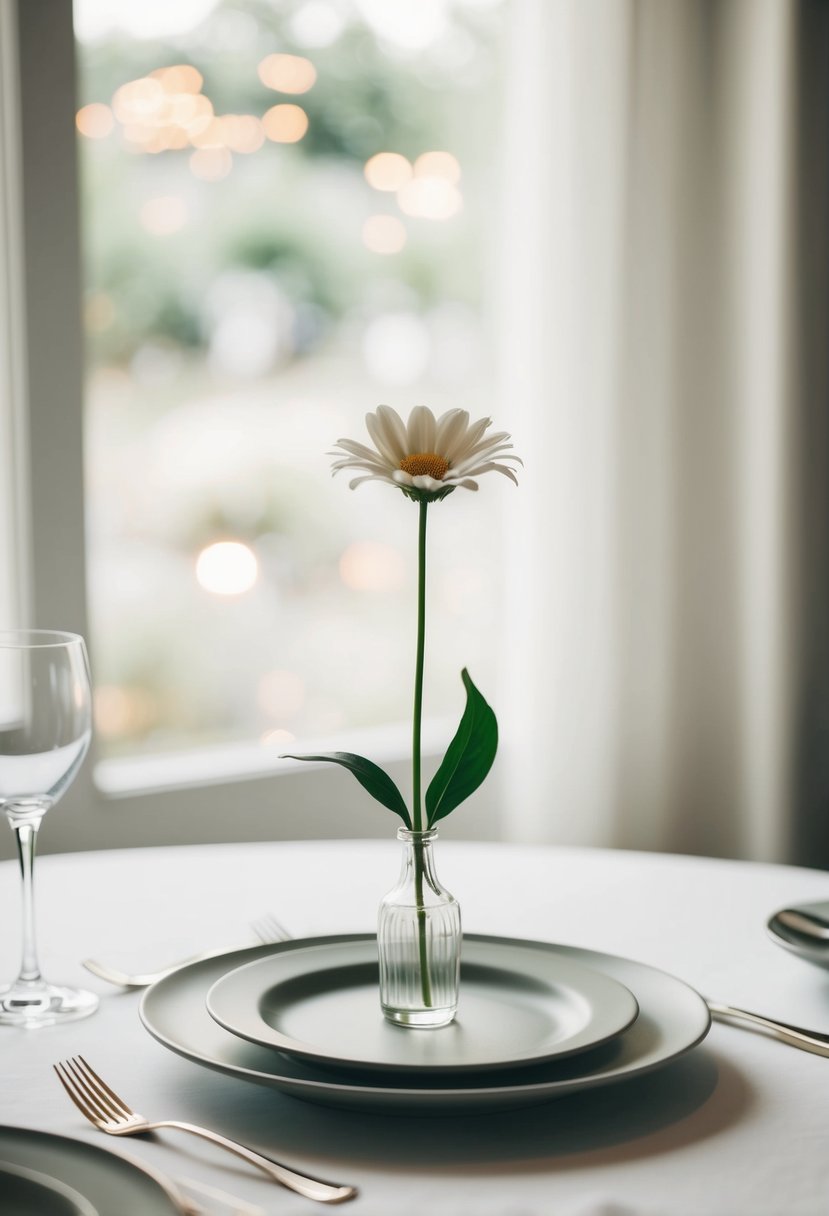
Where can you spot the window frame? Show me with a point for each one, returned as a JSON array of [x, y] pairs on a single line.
[[43, 414]]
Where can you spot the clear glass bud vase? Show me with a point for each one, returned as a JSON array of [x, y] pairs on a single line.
[[419, 940]]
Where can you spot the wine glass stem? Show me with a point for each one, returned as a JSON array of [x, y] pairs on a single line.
[[26, 834]]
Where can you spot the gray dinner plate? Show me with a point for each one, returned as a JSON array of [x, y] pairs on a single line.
[[672, 1019], [517, 1006], [105, 1181], [27, 1192]]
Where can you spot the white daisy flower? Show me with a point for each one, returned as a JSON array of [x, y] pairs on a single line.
[[427, 458]]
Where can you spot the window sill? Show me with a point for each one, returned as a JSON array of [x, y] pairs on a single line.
[[135, 775]]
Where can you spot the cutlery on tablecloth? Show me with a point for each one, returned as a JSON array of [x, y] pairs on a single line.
[[794, 1036], [803, 930], [809, 920], [109, 1113], [267, 928]]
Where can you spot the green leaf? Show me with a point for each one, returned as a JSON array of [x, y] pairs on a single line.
[[468, 758], [371, 778]]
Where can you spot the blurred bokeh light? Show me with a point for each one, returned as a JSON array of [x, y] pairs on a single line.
[[287, 73], [285, 123], [227, 568]]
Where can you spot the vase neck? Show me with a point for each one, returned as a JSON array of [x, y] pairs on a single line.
[[410, 836], [418, 853]]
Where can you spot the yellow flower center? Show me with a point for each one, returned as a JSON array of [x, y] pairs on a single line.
[[425, 464]]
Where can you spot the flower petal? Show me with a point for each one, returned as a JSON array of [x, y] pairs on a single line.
[[424, 482], [383, 440], [492, 467], [358, 481], [492, 443], [375, 469], [421, 430], [482, 453], [451, 429], [467, 442], [402, 478], [356, 449], [393, 430]]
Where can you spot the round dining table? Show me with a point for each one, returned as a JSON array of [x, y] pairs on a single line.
[[736, 1126]]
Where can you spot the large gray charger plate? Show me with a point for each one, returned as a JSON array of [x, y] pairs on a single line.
[[105, 1181], [518, 1006], [28, 1192], [673, 1018]]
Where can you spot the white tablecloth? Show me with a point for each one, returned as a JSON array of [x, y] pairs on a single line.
[[739, 1126]]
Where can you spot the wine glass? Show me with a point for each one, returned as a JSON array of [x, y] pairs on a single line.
[[45, 727]]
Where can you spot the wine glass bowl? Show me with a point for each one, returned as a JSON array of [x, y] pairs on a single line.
[[45, 729]]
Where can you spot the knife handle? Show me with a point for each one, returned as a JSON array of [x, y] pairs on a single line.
[[794, 1036]]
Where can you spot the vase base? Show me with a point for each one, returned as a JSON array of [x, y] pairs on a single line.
[[420, 1019]]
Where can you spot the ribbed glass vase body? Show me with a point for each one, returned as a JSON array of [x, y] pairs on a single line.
[[419, 941]]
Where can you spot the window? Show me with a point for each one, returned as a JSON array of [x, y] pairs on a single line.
[[285, 212]]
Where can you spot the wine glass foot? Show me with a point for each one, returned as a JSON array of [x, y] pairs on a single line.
[[34, 1003]]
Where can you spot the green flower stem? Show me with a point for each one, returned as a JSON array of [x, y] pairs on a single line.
[[425, 981], [417, 814]]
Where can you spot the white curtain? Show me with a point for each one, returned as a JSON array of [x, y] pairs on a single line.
[[664, 287]]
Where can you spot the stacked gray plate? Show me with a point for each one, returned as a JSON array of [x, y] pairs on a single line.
[[28, 1192], [519, 1006], [56, 1176], [301, 1023]]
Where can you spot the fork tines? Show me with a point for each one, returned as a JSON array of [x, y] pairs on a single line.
[[92, 1096]]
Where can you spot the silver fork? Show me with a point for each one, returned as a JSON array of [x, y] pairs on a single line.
[[267, 928], [111, 1114]]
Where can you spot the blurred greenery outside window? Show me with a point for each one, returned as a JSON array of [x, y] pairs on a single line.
[[287, 215]]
